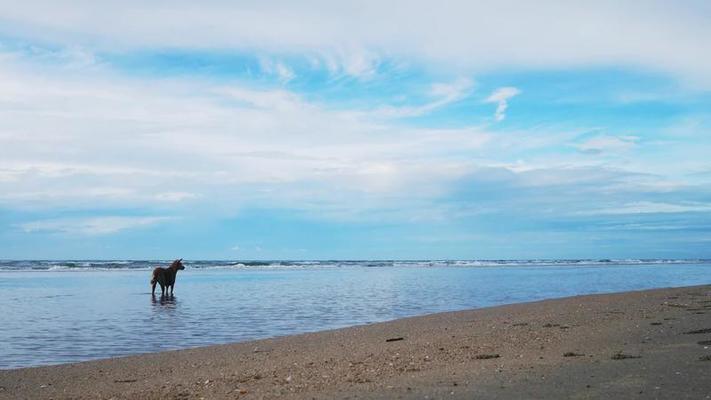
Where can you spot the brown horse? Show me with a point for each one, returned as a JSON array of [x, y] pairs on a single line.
[[166, 277]]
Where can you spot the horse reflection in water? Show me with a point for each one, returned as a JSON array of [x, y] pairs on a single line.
[[166, 300]]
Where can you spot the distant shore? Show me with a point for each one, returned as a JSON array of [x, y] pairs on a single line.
[[646, 344]]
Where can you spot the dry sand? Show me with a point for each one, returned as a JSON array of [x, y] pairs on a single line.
[[649, 344]]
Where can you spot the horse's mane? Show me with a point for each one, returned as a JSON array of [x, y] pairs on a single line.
[[176, 263]]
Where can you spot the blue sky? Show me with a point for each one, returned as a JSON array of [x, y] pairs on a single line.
[[356, 130]]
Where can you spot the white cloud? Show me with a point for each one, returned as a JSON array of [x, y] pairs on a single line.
[[500, 97], [351, 38], [100, 140], [442, 93], [650, 207], [97, 139], [607, 144], [452, 91], [91, 138], [174, 197], [277, 68], [91, 226], [358, 62]]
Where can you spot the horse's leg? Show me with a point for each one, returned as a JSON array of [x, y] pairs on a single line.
[[153, 288], [161, 282]]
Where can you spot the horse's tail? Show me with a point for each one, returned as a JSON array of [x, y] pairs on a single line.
[[153, 280]]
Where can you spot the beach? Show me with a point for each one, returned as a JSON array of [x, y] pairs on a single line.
[[355, 200], [640, 344]]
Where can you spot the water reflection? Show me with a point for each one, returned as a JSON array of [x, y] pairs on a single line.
[[165, 300]]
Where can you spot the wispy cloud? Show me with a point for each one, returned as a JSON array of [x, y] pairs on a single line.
[[277, 68], [650, 207], [443, 94], [91, 226], [606, 144], [501, 97]]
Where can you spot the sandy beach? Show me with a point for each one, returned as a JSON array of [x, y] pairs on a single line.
[[647, 344]]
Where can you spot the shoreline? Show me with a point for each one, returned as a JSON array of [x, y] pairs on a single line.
[[631, 344]]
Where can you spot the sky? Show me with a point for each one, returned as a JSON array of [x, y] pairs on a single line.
[[355, 130]]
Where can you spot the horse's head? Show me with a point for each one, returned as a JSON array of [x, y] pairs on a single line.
[[178, 264]]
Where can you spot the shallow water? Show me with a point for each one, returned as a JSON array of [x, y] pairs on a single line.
[[57, 316]]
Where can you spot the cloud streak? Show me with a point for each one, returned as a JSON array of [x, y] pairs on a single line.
[[443, 94], [90, 226], [649, 207], [607, 144], [500, 97]]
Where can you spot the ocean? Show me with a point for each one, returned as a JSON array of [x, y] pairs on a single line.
[[68, 311]]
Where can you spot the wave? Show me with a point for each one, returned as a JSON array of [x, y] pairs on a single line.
[[73, 265], [114, 265]]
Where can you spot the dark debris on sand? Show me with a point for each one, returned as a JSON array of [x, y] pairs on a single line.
[[486, 356], [573, 354], [622, 356], [698, 331]]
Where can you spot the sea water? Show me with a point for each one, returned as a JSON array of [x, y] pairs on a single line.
[[67, 311]]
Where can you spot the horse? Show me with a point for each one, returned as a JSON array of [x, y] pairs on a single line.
[[166, 277]]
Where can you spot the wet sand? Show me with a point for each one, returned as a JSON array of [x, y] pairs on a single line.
[[647, 344]]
